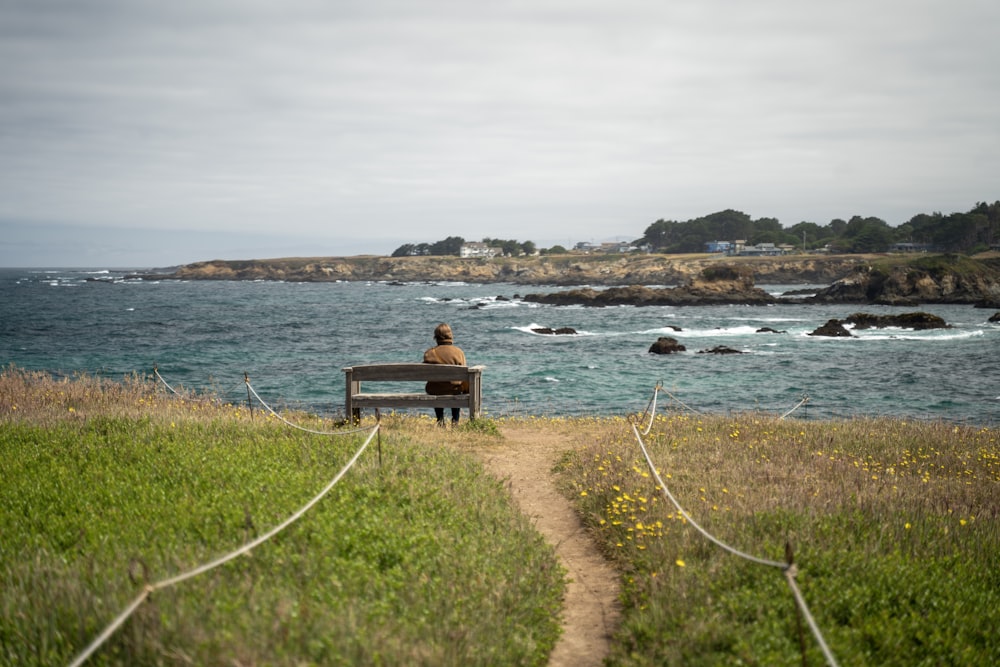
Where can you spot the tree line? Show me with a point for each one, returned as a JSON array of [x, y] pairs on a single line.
[[453, 244], [969, 232]]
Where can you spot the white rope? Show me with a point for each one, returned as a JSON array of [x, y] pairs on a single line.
[[790, 573], [87, 652], [156, 372], [651, 408], [301, 428], [697, 412], [709, 536], [805, 399], [789, 568]]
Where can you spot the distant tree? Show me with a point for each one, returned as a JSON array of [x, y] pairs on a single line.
[[837, 227], [731, 225], [449, 246], [405, 250], [662, 234], [528, 248], [814, 235], [867, 235], [554, 250]]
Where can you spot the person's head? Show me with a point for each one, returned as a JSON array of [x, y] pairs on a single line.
[[442, 334]]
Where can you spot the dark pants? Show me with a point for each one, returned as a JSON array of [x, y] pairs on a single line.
[[455, 414]]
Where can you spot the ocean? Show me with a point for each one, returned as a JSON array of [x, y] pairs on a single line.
[[292, 340]]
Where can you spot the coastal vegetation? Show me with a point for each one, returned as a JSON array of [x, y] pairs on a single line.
[[418, 557], [892, 524], [415, 557], [967, 232]]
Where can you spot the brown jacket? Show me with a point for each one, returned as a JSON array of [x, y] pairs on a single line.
[[446, 353]]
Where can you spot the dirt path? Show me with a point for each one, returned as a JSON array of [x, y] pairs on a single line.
[[525, 457]]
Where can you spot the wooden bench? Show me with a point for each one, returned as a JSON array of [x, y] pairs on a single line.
[[356, 399]]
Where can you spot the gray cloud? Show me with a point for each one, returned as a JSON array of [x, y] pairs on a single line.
[[367, 125]]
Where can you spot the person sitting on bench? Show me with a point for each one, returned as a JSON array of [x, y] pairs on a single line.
[[445, 352]]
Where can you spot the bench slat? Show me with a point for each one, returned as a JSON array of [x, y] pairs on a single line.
[[410, 400], [415, 372]]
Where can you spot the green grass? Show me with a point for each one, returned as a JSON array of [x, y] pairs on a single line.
[[423, 560], [939, 265], [893, 526], [420, 560]]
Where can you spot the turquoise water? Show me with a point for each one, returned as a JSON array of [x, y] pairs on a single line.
[[293, 339]]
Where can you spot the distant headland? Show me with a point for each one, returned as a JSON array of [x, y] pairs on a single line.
[[896, 279]]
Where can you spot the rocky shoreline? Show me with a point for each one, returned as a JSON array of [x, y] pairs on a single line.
[[631, 279], [555, 270]]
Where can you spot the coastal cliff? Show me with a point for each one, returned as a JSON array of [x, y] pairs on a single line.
[[927, 279], [570, 269]]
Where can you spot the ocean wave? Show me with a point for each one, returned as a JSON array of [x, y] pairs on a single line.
[[931, 335], [480, 302], [701, 333]]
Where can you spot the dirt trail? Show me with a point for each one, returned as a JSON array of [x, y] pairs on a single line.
[[525, 457]]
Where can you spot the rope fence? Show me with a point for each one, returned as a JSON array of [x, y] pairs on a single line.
[[296, 426], [253, 392], [150, 588], [789, 568], [805, 399], [156, 372]]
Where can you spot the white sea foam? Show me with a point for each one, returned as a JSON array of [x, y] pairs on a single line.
[[534, 325], [702, 333], [929, 335]]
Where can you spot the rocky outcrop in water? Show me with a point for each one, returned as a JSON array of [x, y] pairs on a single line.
[[561, 331], [861, 321], [666, 345], [715, 286], [937, 279], [833, 329], [915, 321]]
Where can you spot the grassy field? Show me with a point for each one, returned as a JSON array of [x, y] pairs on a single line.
[[107, 487], [421, 559], [893, 526]]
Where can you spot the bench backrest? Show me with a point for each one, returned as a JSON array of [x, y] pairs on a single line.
[[411, 371]]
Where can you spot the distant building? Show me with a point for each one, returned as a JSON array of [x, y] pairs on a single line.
[[477, 249], [761, 250], [741, 248], [909, 247], [608, 247]]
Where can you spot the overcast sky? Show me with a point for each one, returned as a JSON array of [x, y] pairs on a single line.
[[150, 133]]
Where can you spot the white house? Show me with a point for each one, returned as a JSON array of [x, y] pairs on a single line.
[[477, 249]]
